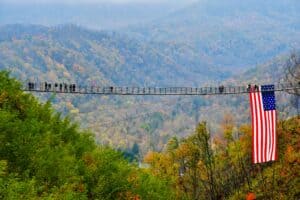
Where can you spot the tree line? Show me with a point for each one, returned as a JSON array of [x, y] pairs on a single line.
[[45, 156]]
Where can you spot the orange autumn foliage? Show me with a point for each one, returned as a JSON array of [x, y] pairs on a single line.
[[250, 196]]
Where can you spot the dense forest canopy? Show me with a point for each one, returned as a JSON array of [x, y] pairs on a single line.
[[73, 54], [45, 156], [71, 146]]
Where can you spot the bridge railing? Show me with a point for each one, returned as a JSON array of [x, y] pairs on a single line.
[[112, 90]]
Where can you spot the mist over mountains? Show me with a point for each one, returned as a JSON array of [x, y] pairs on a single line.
[[226, 34], [100, 16], [235, 34]]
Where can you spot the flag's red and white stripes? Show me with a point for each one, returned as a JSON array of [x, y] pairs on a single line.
[[264, 140]]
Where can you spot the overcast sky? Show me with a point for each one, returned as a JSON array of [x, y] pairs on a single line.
[[93, 1]]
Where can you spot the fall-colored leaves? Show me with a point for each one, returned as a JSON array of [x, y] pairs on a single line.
[[221, 168], [43, 156]]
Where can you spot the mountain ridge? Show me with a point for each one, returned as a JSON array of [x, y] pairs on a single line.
[[234, 33], [108, 53], [73, 54]]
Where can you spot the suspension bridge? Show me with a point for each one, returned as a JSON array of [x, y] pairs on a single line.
[[72, 88]]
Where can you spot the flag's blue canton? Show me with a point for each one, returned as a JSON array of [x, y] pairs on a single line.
[[268, 97]]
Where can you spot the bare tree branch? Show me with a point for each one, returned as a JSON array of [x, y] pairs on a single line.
[[292, 71]]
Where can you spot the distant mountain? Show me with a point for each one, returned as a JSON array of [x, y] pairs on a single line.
[[234, 34], [269, 72], [101, 16], [71, 53]]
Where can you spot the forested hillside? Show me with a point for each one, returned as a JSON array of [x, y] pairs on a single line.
[[45, 156], [206, 167], [230, 33], [145, 147], [73, 54]]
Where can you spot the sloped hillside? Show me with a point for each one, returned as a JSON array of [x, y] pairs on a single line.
[[45, 156], [234, 34], [71, 53]]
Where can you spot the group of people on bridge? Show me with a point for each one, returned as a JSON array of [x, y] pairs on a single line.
[[73, 88], [58, 87]]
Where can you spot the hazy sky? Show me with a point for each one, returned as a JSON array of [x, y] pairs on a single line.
[[93, 1]]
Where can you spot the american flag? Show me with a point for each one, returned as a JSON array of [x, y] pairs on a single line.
[[263, 110]]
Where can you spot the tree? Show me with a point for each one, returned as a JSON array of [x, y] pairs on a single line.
[[292, 76], [292, 70], [135, 150], [45, 156]]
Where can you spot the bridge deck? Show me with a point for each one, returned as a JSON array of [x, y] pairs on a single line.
[[77, 89]]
